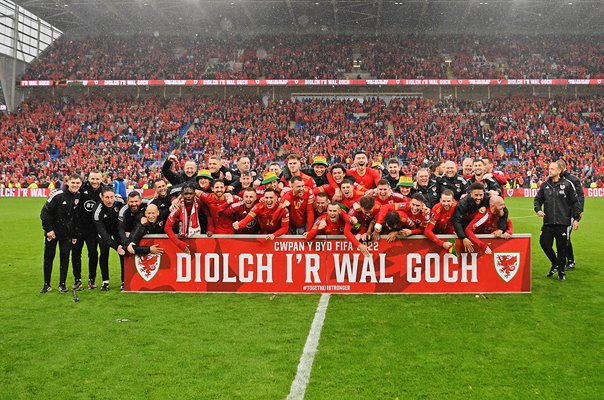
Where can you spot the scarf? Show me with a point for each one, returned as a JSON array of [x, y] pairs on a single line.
[[189, 223]]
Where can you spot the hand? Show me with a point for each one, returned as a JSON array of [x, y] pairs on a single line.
[[487, 175], [488, 250], [498, 233], [540, 214], [354, 221], [369, 192], [364, 237], [467, 244], [236, 225], [356, 206], [506, 235], [375, 236], [270, 237], [304, 235], [228, 176], [257, 184], [210, 233], [144, 221], [187, 250], [173, 158], [364, 250], [285, 204], [405, 232], [74, 241], [575, 225], [378, 227], [230, 188], [155, 249], [51, 235], [120, 250], [337, 195], [447, 245], [322, 224], [482, 210], [229, 198], [391, 237], [131, 248]]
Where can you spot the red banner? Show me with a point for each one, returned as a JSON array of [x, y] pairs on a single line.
[[313, 82], [251, 264]]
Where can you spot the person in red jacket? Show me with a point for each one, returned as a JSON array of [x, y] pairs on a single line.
[[299, 201], [367, 177], [241, 209], [401, 223], [273, 220], [441, 219], [331, 223], [218, 201], [486, 222], [359, 228]]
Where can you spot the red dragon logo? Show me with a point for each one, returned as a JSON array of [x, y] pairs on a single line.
[[506, 265], [147, 265]]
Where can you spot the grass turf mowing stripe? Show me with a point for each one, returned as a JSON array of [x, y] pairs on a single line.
[[300, 383]]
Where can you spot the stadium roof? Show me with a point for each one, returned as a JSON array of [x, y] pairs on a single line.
[[214, 17]]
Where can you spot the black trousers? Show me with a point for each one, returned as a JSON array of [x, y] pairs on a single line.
[[92, 244], [560, 234], [570, 256], [50, 250], [104, 262]]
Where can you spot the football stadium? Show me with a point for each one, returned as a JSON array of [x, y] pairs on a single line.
[[301, 199]]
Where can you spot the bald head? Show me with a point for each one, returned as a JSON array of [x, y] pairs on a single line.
[[496, 204], [450, 168], [152, 212]]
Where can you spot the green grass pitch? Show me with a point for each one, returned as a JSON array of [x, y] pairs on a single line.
[[548, 344]]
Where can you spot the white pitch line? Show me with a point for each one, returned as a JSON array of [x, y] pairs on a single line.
[[298, 388]]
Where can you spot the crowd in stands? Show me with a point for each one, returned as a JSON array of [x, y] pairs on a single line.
[[47, 139], [322, 57]]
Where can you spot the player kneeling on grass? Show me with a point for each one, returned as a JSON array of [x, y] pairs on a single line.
[[149, 224], [273, 220], [486, 222]]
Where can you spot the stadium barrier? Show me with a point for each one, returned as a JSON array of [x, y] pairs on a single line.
[[289, 264], [149, 193]]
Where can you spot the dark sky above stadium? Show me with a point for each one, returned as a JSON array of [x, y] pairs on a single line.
[[249, 17]]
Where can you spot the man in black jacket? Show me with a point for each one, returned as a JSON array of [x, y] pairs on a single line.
[[558, 198], [90, 195], [106, 220], [451, 180], [149, 225], [58, 222], [467, 207], [129, 216], [427, 187], [162, 199], [570, 255], [188, 174]]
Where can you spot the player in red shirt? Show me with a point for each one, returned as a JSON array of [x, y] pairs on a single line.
[[331, 223], [320, 204], [486, 222], [413, 221], [361, 222], [217, 202], [293, 165], [273, 220], [349, 195], [441, 219], [241, 209], [383, 194], [366, 177], [299, 201], [186, 215]]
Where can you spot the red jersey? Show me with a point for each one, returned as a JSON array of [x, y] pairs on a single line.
[[301, 211], [502, 179], [416, 222], [368, 180], [309, 182], [221, 224], [270, 220], [441, 222], [238, 211], [484, 223], [332, 228], [393, 198], [347, 202]]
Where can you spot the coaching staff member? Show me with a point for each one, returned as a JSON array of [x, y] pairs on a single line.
[[106, 219], [558, 199], [58, 222]]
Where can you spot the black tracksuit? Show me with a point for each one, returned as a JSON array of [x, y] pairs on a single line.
[[560, 204], [175, 178], [141, 230], [489, 184], [457, 184], [106, 222], [59, 215], [570, 255], [86, 231], [431, 193]]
